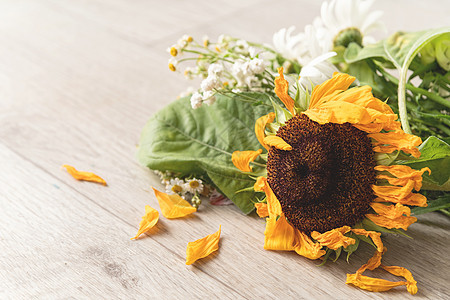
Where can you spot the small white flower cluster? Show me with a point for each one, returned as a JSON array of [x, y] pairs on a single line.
[[313, 47], [179, 186], [176, 49], [227, 65]]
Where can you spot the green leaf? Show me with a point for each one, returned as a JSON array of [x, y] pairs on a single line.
[[352, 248], [439, 203], [435, 154], [201, 141]]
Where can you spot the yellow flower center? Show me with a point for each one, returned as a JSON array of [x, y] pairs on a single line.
[[194, 184], [176, 188], [325, 181]]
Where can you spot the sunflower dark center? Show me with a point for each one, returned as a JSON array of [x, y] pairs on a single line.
[[325, 181]]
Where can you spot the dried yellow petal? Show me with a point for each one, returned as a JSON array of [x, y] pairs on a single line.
[[403, 175], [402, 195], [381, 285], [85, 176], [392, 216], [334, 238], [277, 142], [203, 247], [339, 82], [388, 142], [273, 205], [242, 159], [260, 126], [173, 206], [304, 246], [282, 91], [149, 220], [279, 234], [262, 210]]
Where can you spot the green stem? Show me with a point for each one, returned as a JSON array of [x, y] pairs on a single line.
[[436, 98], [445, 212]]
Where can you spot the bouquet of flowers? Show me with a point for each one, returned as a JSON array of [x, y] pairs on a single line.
[[330, 135]]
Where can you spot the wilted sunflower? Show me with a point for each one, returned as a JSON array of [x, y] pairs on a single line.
[[326, 186]]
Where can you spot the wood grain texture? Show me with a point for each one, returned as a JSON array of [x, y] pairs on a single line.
[[78, 80]]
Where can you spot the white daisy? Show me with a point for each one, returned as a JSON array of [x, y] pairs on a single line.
[[176, 186], [287, 44], [340, 15], [317, 71], [194, 186]]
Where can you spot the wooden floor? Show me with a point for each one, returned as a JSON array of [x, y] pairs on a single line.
[[78, 80]]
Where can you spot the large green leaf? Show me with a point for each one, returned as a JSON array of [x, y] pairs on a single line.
[[200, 142], [435, 154]]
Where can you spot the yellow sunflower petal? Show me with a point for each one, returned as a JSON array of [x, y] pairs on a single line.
[[260, 184], [262, 210], [339, 82], [173, 206], [335, 238], [381, 285], [372, 284], [86, 176], [149, 220], [260, 126], [277, 142], [411, 284], [396, 140], [397, 192], [202, 247], [403, 175], [392, 216], [242, 159], [375, 236], [273, 205], [304, 246], [412, 199], [279, 234], [282, 91]]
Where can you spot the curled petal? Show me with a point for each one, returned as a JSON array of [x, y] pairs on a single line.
[[173, 206], [403, 175], [375, 236], [242, 159], [335, 238], [260, 126], [260, 184], [277, 142], [412, 199], [149, 220], [381, 285], [85, 176], [202, 247], [396, 140], [392, 216], [279, 234], [282, 91], [411, 284], [262, 210], [339, 82], [402, 195], [273, 205], [304, 246]]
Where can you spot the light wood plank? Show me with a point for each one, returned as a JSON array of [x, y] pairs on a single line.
[[58, 243]]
